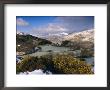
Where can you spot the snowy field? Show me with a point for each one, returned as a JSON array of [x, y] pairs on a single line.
[[38, 72]]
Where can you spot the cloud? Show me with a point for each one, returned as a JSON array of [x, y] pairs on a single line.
[[55, 28], [60, 25], [21, 22], [76, 23], [51, 28]]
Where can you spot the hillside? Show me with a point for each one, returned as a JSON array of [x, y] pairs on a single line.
[[78, 40], [26, 43], [87, 35]]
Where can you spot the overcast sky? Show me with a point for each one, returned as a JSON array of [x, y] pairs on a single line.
[[46, 25]]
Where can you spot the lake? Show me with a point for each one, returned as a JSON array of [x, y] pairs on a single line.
[[49, 49], [54, 48]]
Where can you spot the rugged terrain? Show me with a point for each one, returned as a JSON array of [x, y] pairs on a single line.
[[87, 35]]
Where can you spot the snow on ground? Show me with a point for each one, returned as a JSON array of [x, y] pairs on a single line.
[[38, 72]]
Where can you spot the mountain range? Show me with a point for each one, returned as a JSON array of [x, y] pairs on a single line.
[[87, 35]]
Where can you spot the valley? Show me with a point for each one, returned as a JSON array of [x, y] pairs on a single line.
[[76, 46]]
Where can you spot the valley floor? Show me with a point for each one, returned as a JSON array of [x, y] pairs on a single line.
[[54, 50]]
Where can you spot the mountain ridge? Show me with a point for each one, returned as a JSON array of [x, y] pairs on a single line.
[[87, 35]]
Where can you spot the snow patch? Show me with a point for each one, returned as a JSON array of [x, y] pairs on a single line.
[[36, 72]]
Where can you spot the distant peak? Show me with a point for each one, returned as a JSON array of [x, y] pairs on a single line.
[[21, 33]]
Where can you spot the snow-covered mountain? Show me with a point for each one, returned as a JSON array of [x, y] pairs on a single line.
[[56, 38], [87, 35], [21, 33]]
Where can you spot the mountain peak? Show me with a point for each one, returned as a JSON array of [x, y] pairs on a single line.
[[87, 35], [21, 33]]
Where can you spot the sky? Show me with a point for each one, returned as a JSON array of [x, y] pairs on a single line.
[[53, 25]]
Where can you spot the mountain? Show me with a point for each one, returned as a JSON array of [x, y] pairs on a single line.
[[87, 35], [26, 43], [21, 33], [56, 38]]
